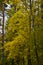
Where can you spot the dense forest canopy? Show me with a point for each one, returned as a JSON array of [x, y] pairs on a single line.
[[23, 40]]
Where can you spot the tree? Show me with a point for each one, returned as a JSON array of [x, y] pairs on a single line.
[[24, 33], [16, 24]]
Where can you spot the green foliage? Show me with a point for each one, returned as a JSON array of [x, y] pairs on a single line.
[[18, 25], [24, 34]]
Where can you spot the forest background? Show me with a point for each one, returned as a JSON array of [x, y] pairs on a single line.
[[23, 40]]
